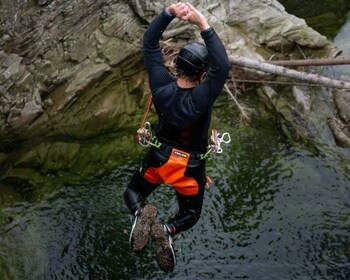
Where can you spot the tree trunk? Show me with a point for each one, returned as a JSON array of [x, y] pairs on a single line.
[[279, 70], [312, 62]]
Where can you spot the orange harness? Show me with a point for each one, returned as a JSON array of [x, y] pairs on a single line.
[[173, 173]]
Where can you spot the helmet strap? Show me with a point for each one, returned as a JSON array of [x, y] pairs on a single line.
[[201, 77]]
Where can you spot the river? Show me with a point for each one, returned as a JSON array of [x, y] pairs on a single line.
[[275, 211]]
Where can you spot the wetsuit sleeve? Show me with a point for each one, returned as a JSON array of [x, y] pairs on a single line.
[[157, 73], [204, 95]]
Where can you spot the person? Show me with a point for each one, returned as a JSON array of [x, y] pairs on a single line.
[[184, 105]]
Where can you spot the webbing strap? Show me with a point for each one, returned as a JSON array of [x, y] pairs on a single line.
[[147, 112]]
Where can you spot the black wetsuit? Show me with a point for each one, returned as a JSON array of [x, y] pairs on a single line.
[[184, 120]]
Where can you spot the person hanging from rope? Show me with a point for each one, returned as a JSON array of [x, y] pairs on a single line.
[[184, 105]]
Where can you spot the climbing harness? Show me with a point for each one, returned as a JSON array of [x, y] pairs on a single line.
[[172, 172], [145, 137]]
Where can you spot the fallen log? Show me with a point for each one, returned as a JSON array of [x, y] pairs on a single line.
[[312, 62], [282, 71]]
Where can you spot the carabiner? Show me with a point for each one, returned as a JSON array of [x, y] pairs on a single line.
[[147, 126], [222, 138]]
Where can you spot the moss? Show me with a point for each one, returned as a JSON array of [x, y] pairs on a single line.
[[60, 162], [327, 24], [3, 157]]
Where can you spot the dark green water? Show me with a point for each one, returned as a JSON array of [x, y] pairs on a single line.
[[275, 212]]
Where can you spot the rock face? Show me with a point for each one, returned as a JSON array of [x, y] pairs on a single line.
[[74, 69], [52, 64]]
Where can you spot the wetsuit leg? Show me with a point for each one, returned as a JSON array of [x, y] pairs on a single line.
[[139, 188], [190, 208], [137, 192]]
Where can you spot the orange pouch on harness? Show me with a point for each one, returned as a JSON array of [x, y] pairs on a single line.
[[173, 173]]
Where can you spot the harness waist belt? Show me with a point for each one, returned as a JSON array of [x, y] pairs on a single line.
[[193, 154]]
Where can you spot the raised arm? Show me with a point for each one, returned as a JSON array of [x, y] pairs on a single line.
[[158, 74], [206, 93], [196, 17]]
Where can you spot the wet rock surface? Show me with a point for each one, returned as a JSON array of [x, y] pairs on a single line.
[[339, 123], [50, 61]]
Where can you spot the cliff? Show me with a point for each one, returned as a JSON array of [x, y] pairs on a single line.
[[73, 70]]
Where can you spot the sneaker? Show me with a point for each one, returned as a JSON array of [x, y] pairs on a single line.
[[165, 255], [140, 231]]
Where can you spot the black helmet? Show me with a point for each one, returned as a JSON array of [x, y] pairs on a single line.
[[193, 59]]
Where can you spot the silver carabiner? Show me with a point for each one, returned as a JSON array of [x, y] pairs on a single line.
[[145, 135], [222, 138], [147, 126]]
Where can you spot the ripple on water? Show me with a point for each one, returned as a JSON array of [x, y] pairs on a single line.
[[273, 212]]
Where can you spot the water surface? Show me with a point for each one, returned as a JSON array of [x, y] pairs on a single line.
[[273, 212]]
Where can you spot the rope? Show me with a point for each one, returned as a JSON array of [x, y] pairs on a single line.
[[147, 112]]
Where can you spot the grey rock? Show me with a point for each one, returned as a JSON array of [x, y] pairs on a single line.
[[25, 116]]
